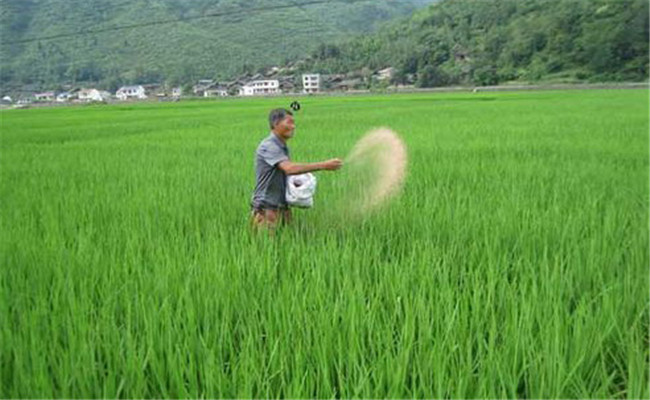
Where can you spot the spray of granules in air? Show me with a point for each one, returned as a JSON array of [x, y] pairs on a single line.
[[375, 171]]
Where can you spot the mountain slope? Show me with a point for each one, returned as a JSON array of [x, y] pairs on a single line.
[[189, 49], [490, 42]]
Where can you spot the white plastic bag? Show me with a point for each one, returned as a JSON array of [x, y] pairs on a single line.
[[300, 190]]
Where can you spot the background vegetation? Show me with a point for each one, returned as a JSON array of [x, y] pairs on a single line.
[[180, 52], [491, 42], [451, 42]]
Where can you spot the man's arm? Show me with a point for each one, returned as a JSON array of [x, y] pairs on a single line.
[[292, 168]]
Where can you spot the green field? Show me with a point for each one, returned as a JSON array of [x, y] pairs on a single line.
[[513, 264]]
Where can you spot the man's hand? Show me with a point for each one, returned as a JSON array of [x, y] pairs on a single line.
[[333, 164]]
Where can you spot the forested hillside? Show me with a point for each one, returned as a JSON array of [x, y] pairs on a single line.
[[210, 38], [490, 42], [429, 43]]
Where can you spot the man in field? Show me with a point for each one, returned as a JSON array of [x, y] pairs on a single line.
[[272, 165]]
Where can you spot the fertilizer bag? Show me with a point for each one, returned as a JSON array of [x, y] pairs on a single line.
[[300, 190]]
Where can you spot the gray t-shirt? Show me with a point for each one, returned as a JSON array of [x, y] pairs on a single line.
[[270, 185]]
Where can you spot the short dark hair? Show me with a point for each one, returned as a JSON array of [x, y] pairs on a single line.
[[278, 115]]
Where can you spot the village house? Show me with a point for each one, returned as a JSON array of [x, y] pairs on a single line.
[[234, 87], [93, 95], [347, 84], [202, 85], [327, 81], [385, 74], [216, 91], [131, 92], [63, 97], [153, 89], [287, 84], [260, 87], [44, 96], [310, 83], [177, 92]]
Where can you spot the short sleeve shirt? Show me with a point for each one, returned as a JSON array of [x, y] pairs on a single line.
[[270, 181]]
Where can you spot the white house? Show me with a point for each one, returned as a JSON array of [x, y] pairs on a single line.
[[131, 92], [63, 97], [45, 96], [203, 84], [215, 92], [177, 92], [261, 87], [7, 100], [385, 74], [92, 95], [310, 83]]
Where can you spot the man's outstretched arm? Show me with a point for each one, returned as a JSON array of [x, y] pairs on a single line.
[[292, 168]]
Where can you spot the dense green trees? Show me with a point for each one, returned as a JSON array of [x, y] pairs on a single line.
[[450, 42], [181, 52], [490, 42]]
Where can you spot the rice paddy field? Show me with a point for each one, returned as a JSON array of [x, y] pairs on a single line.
[[514, 263]]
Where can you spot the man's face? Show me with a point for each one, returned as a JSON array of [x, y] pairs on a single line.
[[286, 127]]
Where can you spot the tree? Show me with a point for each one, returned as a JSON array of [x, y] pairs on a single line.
[[430, 76], [485, 75]]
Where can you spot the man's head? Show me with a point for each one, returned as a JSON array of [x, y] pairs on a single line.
[[282, 123]]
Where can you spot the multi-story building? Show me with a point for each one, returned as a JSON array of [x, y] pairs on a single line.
[[261, 87], [310, 83]]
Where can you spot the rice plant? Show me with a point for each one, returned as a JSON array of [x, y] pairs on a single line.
[[514, 263]]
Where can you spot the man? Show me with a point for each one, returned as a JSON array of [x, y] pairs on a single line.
[[272, 165]]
